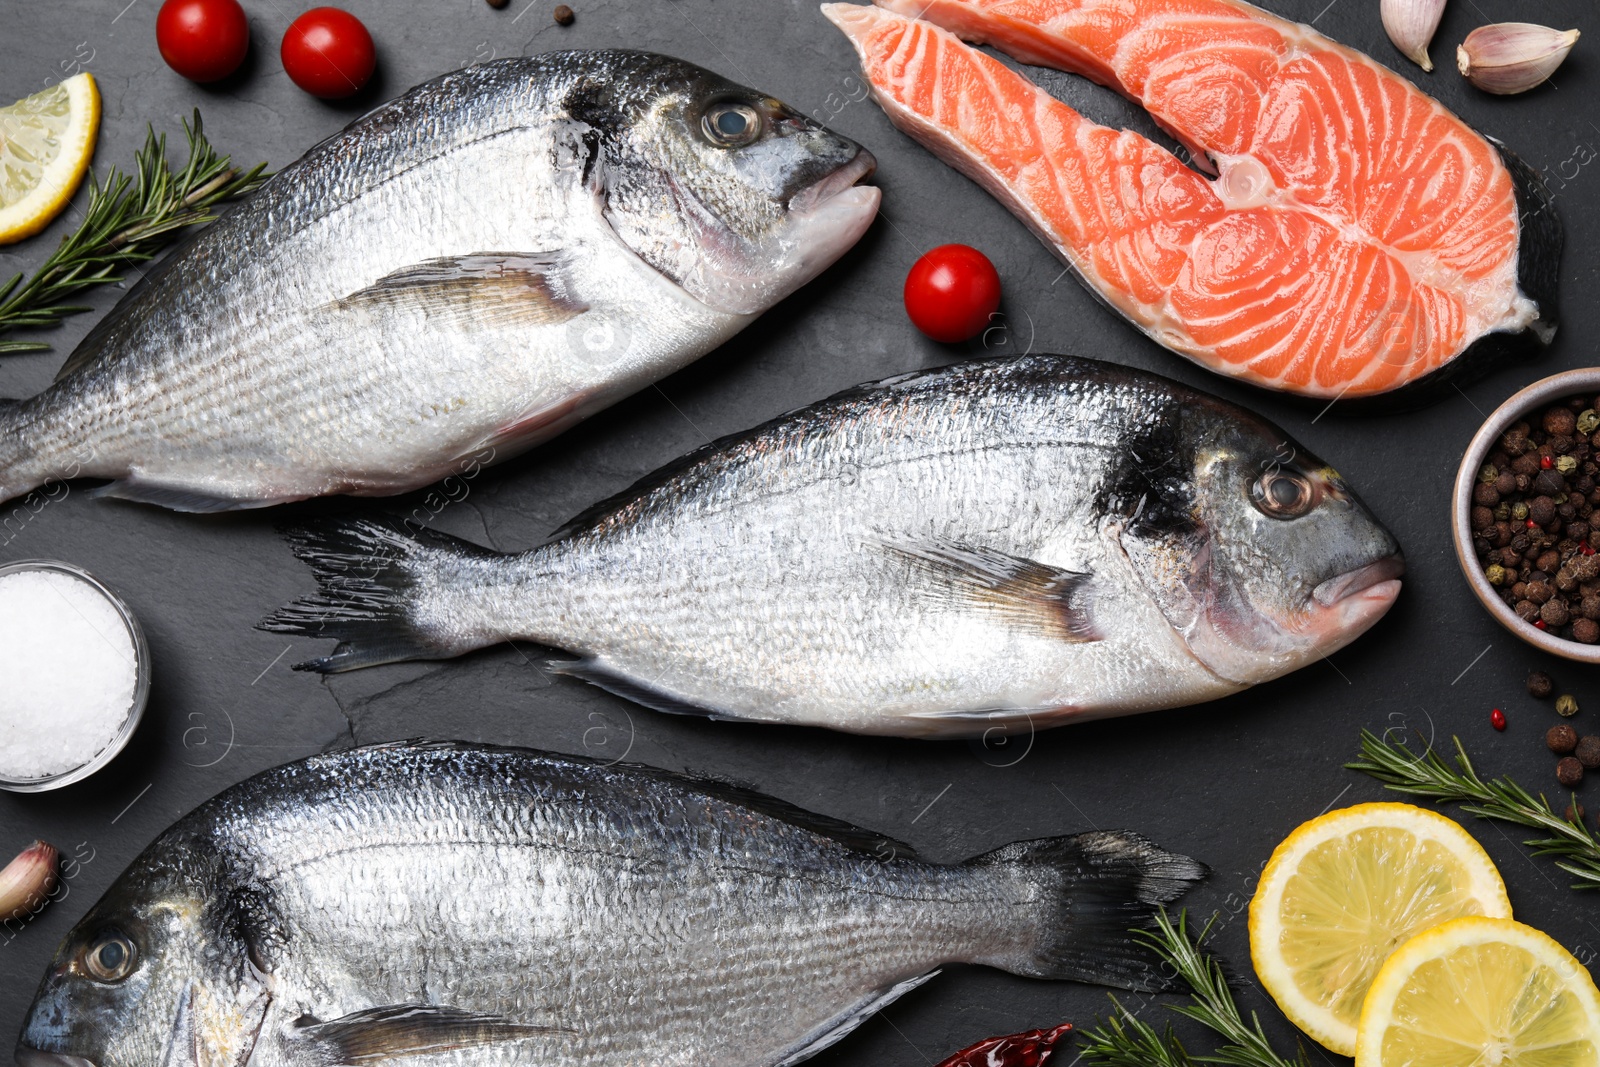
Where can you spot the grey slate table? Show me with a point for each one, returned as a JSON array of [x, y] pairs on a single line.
[[1224, 782]]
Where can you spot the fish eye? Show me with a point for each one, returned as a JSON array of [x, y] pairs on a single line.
[[109, 957], [1282, 494], [728, 124]]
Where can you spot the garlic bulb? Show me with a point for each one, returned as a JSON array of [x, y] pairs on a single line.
[[1513, 57], [26, 882], [1411, 25]]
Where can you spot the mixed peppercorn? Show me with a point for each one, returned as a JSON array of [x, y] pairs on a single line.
[[1532, 510], [1578, 754]]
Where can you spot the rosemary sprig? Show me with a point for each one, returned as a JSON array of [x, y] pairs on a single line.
[[1576, 848], [129, 220], [1124, 1041]]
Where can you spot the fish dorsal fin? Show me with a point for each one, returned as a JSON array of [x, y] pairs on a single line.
[[377, 1034], [845, 833], [487, 288], [1044, 600]]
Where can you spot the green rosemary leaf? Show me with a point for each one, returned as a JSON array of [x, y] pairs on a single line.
[[129, 219]]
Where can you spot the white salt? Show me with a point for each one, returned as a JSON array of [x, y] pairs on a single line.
[[67, 673]]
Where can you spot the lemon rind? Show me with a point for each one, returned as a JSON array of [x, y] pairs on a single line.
[[1318, 1022], [62, 176], [1459, 933]]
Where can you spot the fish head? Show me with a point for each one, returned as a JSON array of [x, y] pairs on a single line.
[[730, 194], [158, 974], [1258, 553]]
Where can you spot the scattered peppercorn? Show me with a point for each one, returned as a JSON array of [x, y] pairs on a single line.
[[563, 15], [1562, 739], [1540, 685], [1497, 719], [1566, 705], [1569, 772], [498, 4], [1575, 813], [1588, 752]]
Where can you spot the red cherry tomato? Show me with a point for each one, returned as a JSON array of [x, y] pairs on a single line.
[[328, 53], [204, 40], [952, 293]]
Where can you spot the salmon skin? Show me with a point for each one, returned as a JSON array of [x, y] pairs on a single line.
[[1357, 239]]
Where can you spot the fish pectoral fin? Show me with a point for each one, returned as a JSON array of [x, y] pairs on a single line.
[[177, 497], [489, 288], [835, 1029], [375, 1034], [1037, 597]]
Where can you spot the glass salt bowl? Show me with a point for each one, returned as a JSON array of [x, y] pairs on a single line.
[[141, 681]]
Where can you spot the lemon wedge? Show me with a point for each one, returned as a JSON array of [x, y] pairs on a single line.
[[45, 143], [1348, 888], [1481, 991]]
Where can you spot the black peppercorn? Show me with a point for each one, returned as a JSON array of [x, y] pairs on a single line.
[[1569, 772], [563, 15], [1562, 739], [1588, 751], [1540, 685], [1547, 483]]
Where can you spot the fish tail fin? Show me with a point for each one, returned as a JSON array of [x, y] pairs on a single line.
[[1096, 889], [371, 576]]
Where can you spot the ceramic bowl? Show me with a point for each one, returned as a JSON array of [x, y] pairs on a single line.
[[141, 682], [1536, 396]]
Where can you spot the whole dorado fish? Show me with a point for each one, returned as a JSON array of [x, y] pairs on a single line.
[[461, 906], [993, 544], [462, 274]]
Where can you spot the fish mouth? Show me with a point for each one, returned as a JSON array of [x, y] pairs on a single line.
[[1383, 572], [861, 167], [27, 1056]]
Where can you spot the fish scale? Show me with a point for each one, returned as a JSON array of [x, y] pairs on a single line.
[[1011, 543], [456, 277], [530, 908]]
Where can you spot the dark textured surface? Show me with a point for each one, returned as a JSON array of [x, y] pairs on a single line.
[[1224, 782]]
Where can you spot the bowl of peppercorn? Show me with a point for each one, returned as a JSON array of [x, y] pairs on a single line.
[[1526, 498]]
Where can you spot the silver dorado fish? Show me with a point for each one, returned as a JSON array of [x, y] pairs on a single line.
[[460, 275], [461, 906], [980, 547]]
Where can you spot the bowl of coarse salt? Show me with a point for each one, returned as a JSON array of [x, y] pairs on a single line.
[[74, 675]]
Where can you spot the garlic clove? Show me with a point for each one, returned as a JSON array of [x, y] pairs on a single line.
[[1411, 25], [1513, 57], [26, 882]]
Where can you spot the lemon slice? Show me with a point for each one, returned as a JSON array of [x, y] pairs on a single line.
[[1481, 991], [45, 143], [1344, 891]]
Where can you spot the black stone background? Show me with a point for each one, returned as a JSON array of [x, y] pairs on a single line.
[[1223, 782]]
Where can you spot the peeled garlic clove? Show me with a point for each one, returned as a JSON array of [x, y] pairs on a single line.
[[26, 882], [1513, 57], [1411, 25]]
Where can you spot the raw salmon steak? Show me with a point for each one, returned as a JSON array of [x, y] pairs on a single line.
[[1350, 237]]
